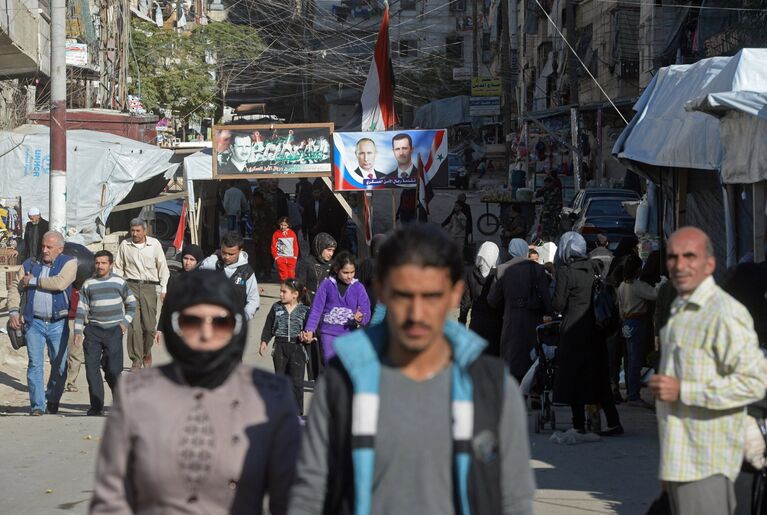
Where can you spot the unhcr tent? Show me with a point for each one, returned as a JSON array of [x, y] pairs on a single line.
[[683, 152], [101, 170]]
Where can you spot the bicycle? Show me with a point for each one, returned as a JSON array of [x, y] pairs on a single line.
[[488, 223]]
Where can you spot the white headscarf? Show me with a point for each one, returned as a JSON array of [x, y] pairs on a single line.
[[487, 257]]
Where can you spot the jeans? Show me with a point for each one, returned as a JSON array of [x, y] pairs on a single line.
[[289, 359], [41, 334], [232, 223], [103, 349], [635, 332]]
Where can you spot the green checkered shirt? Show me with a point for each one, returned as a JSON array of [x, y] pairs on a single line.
[[709, 344]]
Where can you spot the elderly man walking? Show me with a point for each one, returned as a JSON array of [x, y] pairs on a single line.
[[46, 286], [141, 262], [711, 368]]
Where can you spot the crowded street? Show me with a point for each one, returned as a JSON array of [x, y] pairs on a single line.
[[383, 257], [610, 476]]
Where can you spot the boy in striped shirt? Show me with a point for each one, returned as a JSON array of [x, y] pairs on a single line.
[[105, 311]]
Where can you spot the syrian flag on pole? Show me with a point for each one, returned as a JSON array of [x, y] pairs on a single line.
[[178, 241], [426, 171], [378, 113]]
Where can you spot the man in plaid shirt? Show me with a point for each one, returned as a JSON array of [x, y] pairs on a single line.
[[711, 368]]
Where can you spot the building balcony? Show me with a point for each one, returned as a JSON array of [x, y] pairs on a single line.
[[20, 42]]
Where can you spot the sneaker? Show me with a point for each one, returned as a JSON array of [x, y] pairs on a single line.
[[36, 413], [640, 403], [53, 408], [612, 431], [95, 412]]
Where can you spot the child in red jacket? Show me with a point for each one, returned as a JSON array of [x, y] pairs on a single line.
[[285, 249]]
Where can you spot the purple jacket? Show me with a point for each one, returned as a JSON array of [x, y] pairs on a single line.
[[334, 314]]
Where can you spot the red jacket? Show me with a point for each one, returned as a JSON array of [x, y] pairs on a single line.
[[284, 244]]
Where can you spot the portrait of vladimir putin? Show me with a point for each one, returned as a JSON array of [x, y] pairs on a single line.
[[365, 151]]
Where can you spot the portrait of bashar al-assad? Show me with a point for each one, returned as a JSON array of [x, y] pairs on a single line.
[[365, 151], [402, 147], [240, 154]]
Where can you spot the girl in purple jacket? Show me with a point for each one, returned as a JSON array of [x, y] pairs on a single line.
[[340, 305]]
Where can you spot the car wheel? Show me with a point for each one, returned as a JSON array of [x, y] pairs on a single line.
[[165, 226]]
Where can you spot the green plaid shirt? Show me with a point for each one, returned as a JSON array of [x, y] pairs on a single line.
[[709, 344]]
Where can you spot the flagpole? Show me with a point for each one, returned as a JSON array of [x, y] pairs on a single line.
[[418, 187], [393, 209]]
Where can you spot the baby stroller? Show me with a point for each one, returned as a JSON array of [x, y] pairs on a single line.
[[546, 341]]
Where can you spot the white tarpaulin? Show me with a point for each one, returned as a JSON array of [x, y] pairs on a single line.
[[101, 170], [664, 133], [199, 166], [741, 104]]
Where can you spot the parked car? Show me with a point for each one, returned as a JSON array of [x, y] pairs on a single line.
[[570, 214], [605, 216], [166, 217], [457, 176]]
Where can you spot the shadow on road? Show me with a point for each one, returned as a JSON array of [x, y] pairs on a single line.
[[11, 381]]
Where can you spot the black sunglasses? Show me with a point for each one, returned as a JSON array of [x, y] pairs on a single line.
[[182, 322]]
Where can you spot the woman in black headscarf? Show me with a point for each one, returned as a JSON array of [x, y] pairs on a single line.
[[204, 430], [582, 373]]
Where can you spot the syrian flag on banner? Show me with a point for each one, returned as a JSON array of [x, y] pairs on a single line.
[[178, 241], [378, 113], [426, 171]]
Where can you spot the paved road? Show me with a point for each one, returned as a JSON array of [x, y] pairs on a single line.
[[48, 462]]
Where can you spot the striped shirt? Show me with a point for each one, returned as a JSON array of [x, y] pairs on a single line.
[[105, 302], [710, 346]]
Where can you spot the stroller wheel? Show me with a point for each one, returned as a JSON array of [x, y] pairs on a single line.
[[553, 424], [537, 423]]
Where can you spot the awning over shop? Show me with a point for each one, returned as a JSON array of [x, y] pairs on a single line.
[[664, 133], [101, 170]]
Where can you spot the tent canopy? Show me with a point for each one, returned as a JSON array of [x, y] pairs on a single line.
[[665, 133], [101, 170], [740, 103], [199, 166]]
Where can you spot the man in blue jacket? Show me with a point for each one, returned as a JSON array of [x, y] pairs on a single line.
[[410, 416], [47, 287]]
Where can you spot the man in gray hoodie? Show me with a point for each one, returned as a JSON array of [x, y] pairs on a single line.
[[233, 261]]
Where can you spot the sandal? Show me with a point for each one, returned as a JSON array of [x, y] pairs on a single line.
[[71, 388]]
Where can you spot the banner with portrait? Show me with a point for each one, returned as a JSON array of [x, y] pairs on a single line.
[[389, 160], [259, 151]]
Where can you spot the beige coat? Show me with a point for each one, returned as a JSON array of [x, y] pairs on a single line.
[[169, 448]]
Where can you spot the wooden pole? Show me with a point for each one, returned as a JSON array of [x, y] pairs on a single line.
[[758, 197], [393, 209]]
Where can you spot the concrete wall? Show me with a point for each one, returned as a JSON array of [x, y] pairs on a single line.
[[19, 41]]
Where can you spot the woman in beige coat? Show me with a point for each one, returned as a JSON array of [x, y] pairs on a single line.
[[204, 434]]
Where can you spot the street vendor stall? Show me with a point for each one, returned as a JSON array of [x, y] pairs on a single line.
[[683, 151]]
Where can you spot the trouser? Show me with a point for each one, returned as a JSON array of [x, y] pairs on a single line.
[[286, 267], [103, 348], [232, 223], [39, 335], [579, 414], [616, 352], [75, 358], [635, 332], [713, 495], [289, 359], [142, 330]]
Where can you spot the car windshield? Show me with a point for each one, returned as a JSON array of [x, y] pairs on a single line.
[[607, 207]]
